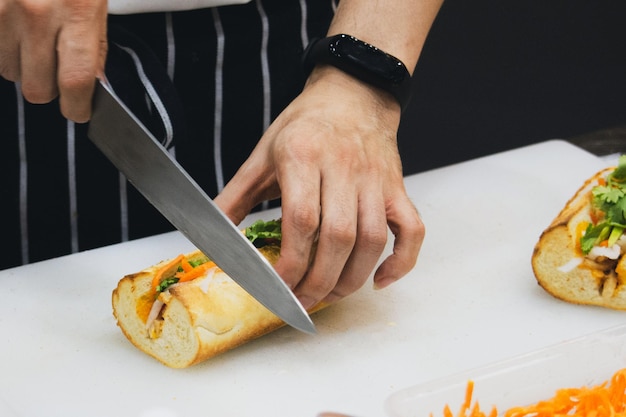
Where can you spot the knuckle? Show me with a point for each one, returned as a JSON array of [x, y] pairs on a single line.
[[417, 229], [35, 11], [412, 226], [320, 287], [304, 220], [76, 79], [341, 232], [373, 239], [80, 65]]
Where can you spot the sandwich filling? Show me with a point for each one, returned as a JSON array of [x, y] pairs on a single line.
[[199, 270], [600, 237]]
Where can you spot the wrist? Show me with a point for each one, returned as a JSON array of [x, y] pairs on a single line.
[[362, 61], [336, 80]]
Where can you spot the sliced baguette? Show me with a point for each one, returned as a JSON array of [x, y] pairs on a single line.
[[559, 265], [200, 319]]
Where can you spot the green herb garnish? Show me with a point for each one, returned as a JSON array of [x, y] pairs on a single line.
[[262, 233], [610, 200], [166, 283]]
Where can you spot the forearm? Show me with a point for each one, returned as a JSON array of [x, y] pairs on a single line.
[[397, 27]]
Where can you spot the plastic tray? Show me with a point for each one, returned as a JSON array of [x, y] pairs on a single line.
[[522, 380]]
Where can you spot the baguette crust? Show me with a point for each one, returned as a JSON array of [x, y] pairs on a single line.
[[583, 281], [200, 319]]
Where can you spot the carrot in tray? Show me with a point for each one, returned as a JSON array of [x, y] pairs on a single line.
[[474, 410], [607, 399]]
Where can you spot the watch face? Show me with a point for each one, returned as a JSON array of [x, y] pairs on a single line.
[[369, 57]]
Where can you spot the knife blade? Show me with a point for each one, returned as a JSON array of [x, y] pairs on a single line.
[[135, 152]]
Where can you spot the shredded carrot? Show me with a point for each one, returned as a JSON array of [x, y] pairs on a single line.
[[580, 230], [188, 273], [156, 280], [468, 397], [194, 273], [596, 215], [474, 409], [186, 265], [603, 400]]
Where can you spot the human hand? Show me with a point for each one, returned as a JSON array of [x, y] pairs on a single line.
[[54, 48], [332, 157]]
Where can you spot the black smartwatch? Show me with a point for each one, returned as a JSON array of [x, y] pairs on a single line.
[[363, 61]]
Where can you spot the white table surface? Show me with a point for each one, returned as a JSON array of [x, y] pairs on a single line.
[[471, 300]]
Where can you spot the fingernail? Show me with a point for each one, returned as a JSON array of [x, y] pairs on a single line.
[[383, 283]]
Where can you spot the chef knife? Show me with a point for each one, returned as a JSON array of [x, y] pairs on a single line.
[[164, 183]]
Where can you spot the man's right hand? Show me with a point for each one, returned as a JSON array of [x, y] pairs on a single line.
[[54, 48]]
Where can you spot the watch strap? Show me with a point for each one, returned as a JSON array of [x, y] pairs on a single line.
[[362, 61]]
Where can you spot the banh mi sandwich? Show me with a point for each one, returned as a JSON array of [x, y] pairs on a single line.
[[185, 310], [580, 258]]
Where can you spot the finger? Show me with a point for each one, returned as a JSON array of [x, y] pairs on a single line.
[[9, 51], [38, 60], [409, 231], [337, 235], [251, 185], [234, 201], [236, 208], [300, 222], [370, 243], [82, 49]]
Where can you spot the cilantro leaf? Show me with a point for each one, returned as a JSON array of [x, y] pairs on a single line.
[[619, 175], [605, 194], [610, 200], [616, 213]]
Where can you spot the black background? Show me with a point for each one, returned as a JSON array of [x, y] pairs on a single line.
[[496, 75]]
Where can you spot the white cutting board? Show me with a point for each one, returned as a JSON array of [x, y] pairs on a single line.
[[471, 300]]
